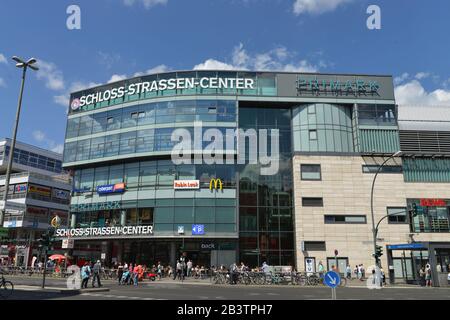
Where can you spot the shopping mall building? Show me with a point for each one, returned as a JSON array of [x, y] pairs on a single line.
[[292, 194]]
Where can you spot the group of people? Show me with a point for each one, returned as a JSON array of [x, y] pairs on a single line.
[[425, 276], [129, 274], [91, 270]]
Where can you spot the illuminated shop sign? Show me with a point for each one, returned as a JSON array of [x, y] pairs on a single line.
[[20, 188], [433, 203], [198, 229], [337, 87], [162, 85], [186, 184], [104, 231], [43, 191], [61, 194], [82, 207], [111, 188]]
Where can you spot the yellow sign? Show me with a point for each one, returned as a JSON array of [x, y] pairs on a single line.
[[56, 222], [217, 183]]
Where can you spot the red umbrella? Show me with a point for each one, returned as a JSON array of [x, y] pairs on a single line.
[[57, 257]]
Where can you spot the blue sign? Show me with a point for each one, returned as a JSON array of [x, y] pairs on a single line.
[[198, 229], [332, 279], [111, 188], [406, 246]]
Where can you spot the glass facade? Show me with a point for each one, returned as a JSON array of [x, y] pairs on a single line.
[[266, 230], [33, 160], [432, 217]]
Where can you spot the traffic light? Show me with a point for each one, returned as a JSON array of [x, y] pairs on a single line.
[[46, 239], [413, 210], [378, 251]]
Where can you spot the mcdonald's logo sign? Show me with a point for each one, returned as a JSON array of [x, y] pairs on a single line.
[[216, 183]]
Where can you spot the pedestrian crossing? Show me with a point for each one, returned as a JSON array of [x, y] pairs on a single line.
[[120, 297]]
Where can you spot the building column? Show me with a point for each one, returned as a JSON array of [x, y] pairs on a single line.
[[172, 253], [433, 263], [123, 217], [73, 220]]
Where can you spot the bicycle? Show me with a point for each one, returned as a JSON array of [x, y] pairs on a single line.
[[6, 288]]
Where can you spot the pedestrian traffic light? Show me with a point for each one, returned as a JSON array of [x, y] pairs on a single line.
[[46, 239], [413, 210]]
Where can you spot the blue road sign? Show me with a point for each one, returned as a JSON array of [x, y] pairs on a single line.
[[332, 279], [198, 229]]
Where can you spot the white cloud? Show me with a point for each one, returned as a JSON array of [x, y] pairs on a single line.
[[117, 77], [52, 76], [413, 93], [317, 6], [38, 135], [212, 64], [147, 3], [3, 59], [158, 69], [422, 75], [50, 144], [2, 83], [272, 60], [401, 78]]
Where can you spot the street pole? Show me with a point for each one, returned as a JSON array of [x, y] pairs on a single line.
[[13, 145], [24, 65], [45, 267], [375, 229]]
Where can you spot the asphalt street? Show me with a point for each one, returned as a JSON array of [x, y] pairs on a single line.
[[175, 290]]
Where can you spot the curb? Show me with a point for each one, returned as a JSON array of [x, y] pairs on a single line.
[[58, 290]]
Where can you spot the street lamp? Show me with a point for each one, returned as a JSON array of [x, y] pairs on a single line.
[[375, 229], [24, 65]]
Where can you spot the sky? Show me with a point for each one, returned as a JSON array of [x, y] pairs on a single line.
[[123, 38]]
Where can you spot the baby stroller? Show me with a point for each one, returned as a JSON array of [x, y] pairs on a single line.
[[125, 277]]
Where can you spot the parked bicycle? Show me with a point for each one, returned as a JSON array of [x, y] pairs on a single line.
[[6, 287]]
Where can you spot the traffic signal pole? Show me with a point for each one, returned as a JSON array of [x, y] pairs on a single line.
[[45, 267]]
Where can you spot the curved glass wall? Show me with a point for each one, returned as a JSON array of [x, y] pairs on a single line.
[[322, 128], [152, 114]]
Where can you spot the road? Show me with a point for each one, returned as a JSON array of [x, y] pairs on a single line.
[[175, 290]]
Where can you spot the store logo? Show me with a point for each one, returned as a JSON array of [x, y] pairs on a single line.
[[75, 104], [186, 184], [56, 222], [217, 183], [111, 188]]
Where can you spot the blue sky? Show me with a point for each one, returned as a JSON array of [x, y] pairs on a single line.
[[121, 38]]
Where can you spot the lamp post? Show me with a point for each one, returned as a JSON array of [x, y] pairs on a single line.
[[24, 65], [375, 229]]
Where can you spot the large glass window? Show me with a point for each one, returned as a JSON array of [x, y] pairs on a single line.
[[397, 214]]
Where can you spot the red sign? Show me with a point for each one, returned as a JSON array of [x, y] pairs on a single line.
[[433, 203]]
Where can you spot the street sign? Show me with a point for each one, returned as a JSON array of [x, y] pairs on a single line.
[[68, 243], [332, 279], [180, 229], [198, 229]]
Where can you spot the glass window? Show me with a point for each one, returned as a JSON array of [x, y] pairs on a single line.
[[164, 215], [312, 134], [312, 202], [129, 117], [128, 142], [148, 174], [146, 114], [97, 147], [145, 140], [373, 168], [99, 122], [184, 215], [112, 145], [131, 176], [114, 119], [116, 174], [345, 219], [397, 215], [101, 176], [85, 125], [310, 171]]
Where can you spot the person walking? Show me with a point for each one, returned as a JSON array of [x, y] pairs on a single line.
[[136, 275], [159, 270], [422, 277], [428, 275], [178, 271], [85, 274], [119, 272], [233, 273], [189, 268], [348, 272], [96, 274], [320, 269]]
